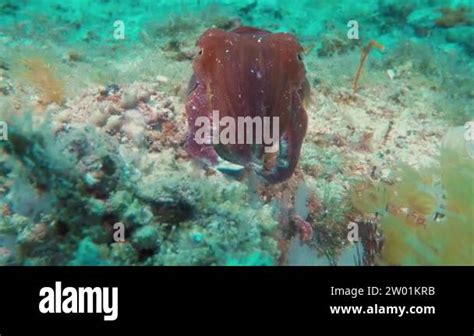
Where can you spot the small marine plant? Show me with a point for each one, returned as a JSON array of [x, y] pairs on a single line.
[[44, 77], [363, 57], [426, 216]]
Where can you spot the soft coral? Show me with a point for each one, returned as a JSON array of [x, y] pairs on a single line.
[[45, 79]]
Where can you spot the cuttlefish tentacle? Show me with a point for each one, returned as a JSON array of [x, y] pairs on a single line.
[[290, 144]]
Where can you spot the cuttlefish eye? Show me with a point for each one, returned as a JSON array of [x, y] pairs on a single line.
[[300, 57], [197, 52]]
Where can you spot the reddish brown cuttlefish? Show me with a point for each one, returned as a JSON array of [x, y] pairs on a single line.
[[243, 74]]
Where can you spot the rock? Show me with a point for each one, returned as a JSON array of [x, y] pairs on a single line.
[[167, 114], [335, 43], [197, 237], [457, 139], [391, 74], [90, 180], [98, 118], [129, 100], [33, 234], [152, 116], [123, 253], [114, 123], [63, 116], [97, 206], [385, 174], [144, 96], [168, 103], [134, 116], [146, 238], [4, 90], [108, 90], [134, 132]]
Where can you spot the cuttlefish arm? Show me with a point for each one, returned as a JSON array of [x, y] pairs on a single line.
[[197, 106], [291, 140]]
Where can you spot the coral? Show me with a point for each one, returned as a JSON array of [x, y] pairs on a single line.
[[88, 254], [44, 77], [146, 238], [169, 217], [26, 201], [58, 170]]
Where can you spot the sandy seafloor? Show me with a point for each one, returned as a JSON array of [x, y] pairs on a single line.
[[97, 127]]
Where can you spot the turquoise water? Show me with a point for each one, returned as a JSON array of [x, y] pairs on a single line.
[[94, 168]]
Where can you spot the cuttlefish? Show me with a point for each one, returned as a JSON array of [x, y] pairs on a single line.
[[249, 73]]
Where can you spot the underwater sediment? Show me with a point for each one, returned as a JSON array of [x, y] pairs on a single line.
[[94, 166]]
